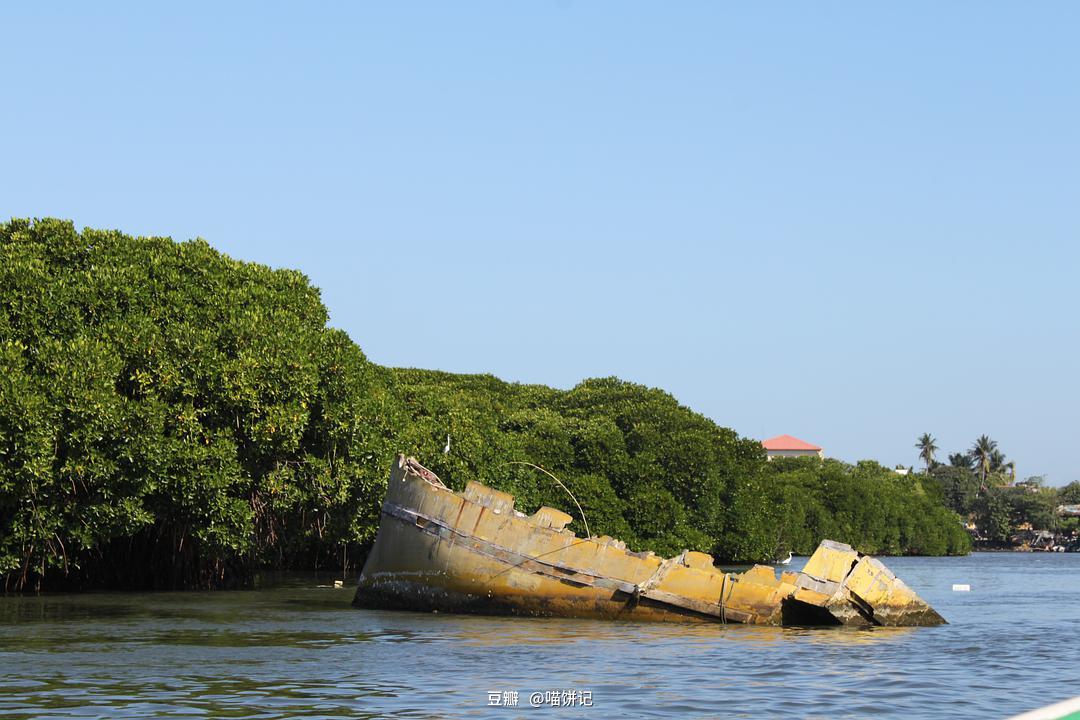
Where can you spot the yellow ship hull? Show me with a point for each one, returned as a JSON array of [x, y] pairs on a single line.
[[472, 552]]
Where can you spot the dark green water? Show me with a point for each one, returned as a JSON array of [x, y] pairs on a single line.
[[299, 650]]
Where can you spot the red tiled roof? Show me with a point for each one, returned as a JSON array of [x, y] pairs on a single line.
[[786, 442]]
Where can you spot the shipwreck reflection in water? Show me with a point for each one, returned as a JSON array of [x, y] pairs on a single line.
[[486, 631]]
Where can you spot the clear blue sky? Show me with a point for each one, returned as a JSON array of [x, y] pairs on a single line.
[[850, 222]]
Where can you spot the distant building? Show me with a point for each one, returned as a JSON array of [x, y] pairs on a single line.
[[787, 446]]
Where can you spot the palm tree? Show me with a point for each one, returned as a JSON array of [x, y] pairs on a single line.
[[927, 445], [999, 464], [960, 460], [982, 453]]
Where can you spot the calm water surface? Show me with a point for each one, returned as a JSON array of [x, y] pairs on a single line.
[[297, 649]]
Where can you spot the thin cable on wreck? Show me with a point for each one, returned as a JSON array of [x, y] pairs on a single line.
[[537, 467]]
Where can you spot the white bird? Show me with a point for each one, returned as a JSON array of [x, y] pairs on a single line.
[[446, 450], [788, 560]]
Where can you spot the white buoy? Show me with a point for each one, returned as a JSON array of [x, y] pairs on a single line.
[[961, 588]]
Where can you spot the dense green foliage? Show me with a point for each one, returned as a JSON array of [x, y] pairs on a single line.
[[643, 467], [163, 406], [1070, 494], [959, 487], [171, 417], [1001, 510], [883, 511]]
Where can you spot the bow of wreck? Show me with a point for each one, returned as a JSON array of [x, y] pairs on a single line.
[[473, 552]]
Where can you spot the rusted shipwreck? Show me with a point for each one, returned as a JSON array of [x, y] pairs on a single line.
[[473, 552]]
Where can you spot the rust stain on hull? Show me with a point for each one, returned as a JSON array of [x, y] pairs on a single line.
[[499, 561]]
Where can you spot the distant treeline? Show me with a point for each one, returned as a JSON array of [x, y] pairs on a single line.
[[981, 486], [171, 417]]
